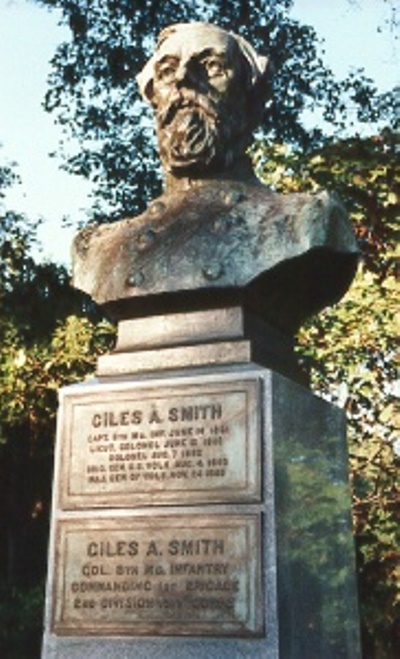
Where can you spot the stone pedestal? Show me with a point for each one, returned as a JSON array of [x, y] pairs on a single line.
[[201, 509]]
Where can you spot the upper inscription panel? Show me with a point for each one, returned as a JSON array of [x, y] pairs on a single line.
[[133, 447]]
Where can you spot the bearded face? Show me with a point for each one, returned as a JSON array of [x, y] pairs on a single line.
[[194, 135], [197, 95]]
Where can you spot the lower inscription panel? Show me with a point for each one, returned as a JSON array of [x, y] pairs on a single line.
[[178, 575]]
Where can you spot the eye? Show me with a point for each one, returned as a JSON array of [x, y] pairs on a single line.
[[214, 67], [165, 71]]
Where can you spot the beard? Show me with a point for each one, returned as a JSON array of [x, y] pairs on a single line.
[[198, 134]]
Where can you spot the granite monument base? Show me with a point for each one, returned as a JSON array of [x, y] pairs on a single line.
[[200, 513]]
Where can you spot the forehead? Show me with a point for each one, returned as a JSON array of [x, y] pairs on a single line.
[[193, 41]]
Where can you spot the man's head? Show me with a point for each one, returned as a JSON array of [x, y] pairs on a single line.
[[204, 85]]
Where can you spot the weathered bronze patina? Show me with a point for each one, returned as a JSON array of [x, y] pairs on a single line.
[[216, 237]]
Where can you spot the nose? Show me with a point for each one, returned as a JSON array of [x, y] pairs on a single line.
[[184, 75]]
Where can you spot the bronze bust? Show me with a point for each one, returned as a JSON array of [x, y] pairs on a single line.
[[216, 236]]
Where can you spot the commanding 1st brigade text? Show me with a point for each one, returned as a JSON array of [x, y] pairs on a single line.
[[166, 571]]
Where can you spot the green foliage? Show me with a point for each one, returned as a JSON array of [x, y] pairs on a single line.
[[350, 350], [94, 96], [32, 375]]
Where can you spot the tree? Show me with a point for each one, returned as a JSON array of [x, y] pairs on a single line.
[[93, 92]]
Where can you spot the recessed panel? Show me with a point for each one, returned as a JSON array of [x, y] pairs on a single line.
[[192, 444], [178, 575]]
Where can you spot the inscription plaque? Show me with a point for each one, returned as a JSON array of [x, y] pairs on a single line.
[[178, 575], [128, 447]]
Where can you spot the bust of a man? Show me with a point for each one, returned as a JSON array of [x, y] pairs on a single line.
[[216, 236]]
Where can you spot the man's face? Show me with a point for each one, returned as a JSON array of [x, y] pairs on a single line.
[[201, 58], [198, 98]]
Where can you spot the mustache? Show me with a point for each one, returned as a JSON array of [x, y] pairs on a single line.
[[187, 99]]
